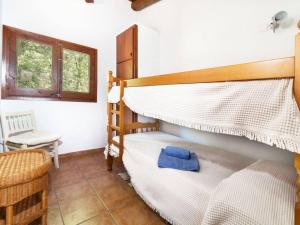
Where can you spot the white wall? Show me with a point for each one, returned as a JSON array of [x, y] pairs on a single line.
[[82, 125], [208, 33], [200, 34], [148, 51]]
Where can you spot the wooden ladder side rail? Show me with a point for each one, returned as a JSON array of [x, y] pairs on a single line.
[[112, 79], [110, 111], [297, 97], [109, 160], [133, 126], [121, 119]]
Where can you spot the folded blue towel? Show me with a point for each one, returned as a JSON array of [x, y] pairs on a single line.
[[165, 161], [177, 152]]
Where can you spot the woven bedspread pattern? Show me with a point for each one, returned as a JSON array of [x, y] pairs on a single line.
[[261, 194], [264, 111]]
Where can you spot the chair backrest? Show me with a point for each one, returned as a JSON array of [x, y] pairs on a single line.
[[17, 122]]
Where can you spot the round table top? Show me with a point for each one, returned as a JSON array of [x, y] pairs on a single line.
[[17, 167]]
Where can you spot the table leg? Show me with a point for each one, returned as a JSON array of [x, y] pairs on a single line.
[[44, 207], [9, 220]]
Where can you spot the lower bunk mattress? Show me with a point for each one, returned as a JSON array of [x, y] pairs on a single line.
[[219, 194]]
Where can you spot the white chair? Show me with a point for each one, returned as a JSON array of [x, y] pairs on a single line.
[[19, 132]]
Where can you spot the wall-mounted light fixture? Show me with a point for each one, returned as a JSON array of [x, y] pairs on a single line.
[[277, 20]]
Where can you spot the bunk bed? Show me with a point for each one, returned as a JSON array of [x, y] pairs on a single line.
[[139, 150]]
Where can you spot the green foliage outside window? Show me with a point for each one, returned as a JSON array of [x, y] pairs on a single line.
[[75, 71], [34, 65]]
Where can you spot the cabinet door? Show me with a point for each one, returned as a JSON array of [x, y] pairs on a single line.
[[125, 69], [126, 44]]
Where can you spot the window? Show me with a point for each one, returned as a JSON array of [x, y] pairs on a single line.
[[37, 66]]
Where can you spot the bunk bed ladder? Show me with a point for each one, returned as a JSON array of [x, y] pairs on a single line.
[[121, 129], [112, 110]]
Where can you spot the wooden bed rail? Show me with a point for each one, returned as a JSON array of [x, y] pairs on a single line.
[[270, 69], [138, 126]]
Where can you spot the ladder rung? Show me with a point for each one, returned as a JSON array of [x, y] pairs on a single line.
[[115, 143], [115, 127], [118, 103], [115, 112]]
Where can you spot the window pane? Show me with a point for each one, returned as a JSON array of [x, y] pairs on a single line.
[[76, 75], [34, 65]]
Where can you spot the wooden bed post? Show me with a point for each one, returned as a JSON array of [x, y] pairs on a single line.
[[110, 159], [122, 119], [157, 125], [297, 97]]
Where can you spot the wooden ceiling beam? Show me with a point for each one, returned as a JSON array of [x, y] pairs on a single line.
[[138, 5]]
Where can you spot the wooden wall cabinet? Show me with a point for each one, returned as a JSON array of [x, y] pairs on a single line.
[[137, 50], [127, 50]]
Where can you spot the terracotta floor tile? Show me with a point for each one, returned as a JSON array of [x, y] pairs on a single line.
[[87, 160], [114, 195], [104, 181], [103, 219], [51, 198], [66, 166], [135, 213], [50, 183], [65, 178], [52, 168], [93, 170], [74, 191], [66, 158], [62, 172], [79, 210], [63, 166], [54, 216]]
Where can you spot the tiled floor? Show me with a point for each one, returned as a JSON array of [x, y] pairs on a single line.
[[83, 192]]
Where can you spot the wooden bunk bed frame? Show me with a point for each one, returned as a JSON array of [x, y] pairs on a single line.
[[270, 69]]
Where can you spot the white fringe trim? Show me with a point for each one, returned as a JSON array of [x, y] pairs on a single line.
[[111, 150], [162, 215], [280, 142]]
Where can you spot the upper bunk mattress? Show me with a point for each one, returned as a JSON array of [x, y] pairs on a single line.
[[181, 197], [263, 111]]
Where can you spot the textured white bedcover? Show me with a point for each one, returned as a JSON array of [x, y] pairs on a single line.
[[180, 197], [262, 194], [230, 189]]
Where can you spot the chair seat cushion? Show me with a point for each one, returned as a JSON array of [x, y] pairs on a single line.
[[33, 138]]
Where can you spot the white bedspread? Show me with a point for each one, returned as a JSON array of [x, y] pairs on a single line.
[[264, 111], [262, 194], [180, 197]]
